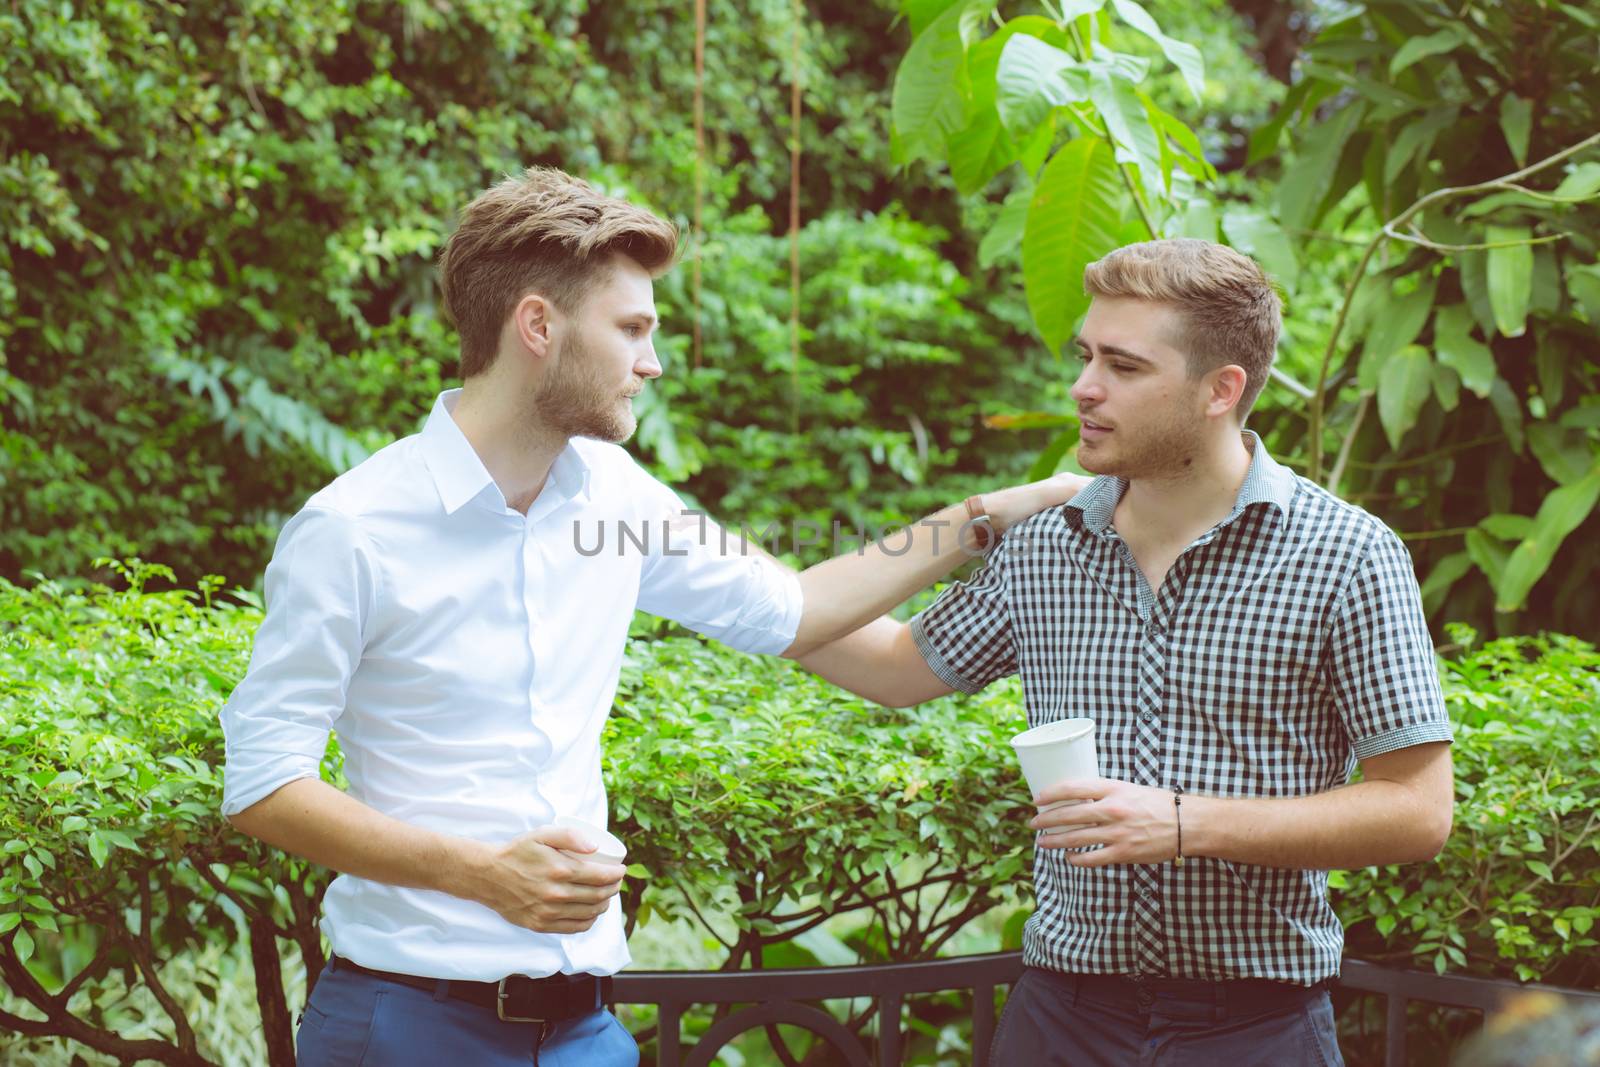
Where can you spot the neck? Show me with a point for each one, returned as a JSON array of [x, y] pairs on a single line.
[[515, 449], [1171, 506]]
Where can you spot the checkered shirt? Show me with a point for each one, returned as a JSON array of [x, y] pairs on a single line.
[[1284, 645]]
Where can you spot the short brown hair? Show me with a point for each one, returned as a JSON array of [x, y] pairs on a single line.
[[540, 231], [1230, 309]]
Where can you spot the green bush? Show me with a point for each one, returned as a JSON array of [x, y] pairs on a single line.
[[1516, 892], [786, 822]]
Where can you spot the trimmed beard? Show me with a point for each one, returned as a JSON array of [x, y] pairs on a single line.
[[1165, 449], [574, 402]]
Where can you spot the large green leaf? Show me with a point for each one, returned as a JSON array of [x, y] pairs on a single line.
[[1474, 268], [1395, 324], [1306, 183], [986, 147], [1488, 554], [1129, 126], [929, 101], [1516, 122], [1005, 236], [1073, 220], [1444, 574], [1562, 512], [1458, 349], [1033, 78], [1510, 277], [1254, 234], [1582, 183], [1193, 157], [1416, 139], [1264, 138], [1584, 281], [1403, 386], [922, 13], [1186, 57], [1451, 37], [1563, 452], [1446, 386]]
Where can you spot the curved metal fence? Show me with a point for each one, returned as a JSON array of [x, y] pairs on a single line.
[[779, 997]]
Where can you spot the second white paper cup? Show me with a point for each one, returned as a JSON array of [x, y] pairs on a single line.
[[610, 848], [1055, 752]]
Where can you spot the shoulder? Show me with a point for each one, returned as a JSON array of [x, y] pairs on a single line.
[[393, 478], [1321, 516]]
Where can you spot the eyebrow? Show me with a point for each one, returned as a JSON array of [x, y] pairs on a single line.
[[1116, 350], [645, 317]]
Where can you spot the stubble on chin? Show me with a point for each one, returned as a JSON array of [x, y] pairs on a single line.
[[1168, 453], [575, 404]]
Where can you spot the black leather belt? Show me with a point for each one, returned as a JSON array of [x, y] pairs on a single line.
[[515, 998]]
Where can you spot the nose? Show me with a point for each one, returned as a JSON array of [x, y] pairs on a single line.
[[1086, 390], [650, 365]]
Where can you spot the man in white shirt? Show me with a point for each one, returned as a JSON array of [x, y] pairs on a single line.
[[443, 607]]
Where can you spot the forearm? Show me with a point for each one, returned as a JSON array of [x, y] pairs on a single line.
[[311, 819], [847, 592], [880, 662], [1366, 824]]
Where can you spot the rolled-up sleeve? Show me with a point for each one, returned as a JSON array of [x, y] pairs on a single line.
[[1381, 662], [965, 635], [709, 580], [321, 588]]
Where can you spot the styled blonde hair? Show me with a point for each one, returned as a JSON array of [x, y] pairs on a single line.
[[1230, 310], [544, 232]]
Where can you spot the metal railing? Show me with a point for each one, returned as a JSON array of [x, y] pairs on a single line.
[[1400, 988], [777, 997]]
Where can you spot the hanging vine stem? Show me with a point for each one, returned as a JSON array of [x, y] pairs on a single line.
[[1083, 50], [1319, 395], [798, 10], [699, 161]]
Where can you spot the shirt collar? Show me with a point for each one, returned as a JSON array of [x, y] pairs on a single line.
[[460, 476], [1267, 482]]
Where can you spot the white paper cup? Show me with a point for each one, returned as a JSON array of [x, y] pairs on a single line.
[[610, 848], [1052, 753]]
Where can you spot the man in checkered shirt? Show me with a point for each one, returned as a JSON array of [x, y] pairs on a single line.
[[1242, 639]]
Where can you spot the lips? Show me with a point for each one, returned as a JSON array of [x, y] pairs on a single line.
[[1088, 426]]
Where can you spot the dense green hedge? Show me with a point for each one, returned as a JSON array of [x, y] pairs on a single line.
[[758, 802]]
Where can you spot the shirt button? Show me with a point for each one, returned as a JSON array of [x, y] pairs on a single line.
[[1148, 716]]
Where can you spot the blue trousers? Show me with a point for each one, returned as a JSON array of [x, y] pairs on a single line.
[[1055, 1020], [356, 1020]]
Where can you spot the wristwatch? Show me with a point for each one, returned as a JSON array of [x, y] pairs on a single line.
[[979, 523]]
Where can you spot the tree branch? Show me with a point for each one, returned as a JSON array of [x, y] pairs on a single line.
[[1319, 399]]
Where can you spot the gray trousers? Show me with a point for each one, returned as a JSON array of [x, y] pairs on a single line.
[[1063, 1020]]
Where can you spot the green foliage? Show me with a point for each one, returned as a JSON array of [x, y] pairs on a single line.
[[754, 784], [218, 288], [1456, 144], [761, 437], [786, 821], [1514, 892], [983, 103]]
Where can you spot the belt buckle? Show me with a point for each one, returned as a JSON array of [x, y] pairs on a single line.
[[500, 998]]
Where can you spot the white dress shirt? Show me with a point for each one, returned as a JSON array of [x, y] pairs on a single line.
[[467, 655]]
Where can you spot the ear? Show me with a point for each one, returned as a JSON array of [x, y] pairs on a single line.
[[530, 324], [1225, 387]]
